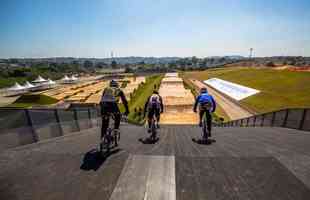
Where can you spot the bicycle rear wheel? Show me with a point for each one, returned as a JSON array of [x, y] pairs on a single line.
[[106, 143], [204, 129], [153, 128]]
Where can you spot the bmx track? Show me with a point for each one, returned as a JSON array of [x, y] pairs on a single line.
[[177, 100]]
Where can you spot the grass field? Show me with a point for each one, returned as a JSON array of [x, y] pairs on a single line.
[[279, 89], [7, 82], [140, 96], [29, 100]]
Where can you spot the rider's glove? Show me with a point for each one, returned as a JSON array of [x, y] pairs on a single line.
[[194, 110]]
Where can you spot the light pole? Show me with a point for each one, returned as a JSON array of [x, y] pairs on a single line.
[[251, 53]]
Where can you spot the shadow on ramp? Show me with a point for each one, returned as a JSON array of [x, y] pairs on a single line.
[[203, 142], [93, 159], [148, 140]]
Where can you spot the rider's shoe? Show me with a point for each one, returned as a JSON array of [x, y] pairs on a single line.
[[149, 130], [200, 124], [158, 126]]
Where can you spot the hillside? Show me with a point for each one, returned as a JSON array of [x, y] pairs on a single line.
[[279, 88]]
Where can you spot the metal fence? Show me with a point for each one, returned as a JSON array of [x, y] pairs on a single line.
[[26, 126], [298, 118]]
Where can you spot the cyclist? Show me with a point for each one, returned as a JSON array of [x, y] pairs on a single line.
[[109, 105], [207, 105], [153, 106]]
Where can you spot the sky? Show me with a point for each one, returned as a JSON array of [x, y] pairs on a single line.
[[183, 28]]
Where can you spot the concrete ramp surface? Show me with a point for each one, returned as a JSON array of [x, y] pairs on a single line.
[[243, 163], [150, 177]]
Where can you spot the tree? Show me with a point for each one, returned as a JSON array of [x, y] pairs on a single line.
[[13, 60], [172, 65], [270, 64], [127, 69], [19, 73], [194, 60], [88, 64], [114, 64]]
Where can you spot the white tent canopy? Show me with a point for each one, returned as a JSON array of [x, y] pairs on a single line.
[[50, 82], [66, 78], [73, 78], [16, 87], [28, 85], [39, 80]]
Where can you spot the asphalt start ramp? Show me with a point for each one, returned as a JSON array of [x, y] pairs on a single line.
[[243, 163], [146, 177]]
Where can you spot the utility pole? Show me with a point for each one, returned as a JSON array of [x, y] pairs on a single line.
[[251, 53]]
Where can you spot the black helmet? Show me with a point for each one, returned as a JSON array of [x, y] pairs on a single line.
[[113, 83], [203, 90]]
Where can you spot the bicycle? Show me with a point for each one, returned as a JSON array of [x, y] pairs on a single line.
[[153, 128], [204, 128], [111, 136]]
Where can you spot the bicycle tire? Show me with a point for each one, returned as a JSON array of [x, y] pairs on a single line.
[[118, 136], [108, 140], [204, 129], [153, 136]]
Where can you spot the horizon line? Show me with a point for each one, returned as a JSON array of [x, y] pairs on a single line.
[[158, 57]]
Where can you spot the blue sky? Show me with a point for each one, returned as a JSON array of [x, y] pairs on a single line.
[[94, 28]]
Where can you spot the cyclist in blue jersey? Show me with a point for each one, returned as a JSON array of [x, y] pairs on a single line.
[[207, 105]]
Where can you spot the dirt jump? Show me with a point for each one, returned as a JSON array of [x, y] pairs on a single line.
[[177, 100]]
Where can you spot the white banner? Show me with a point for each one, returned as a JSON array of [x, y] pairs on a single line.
[[233, 90]]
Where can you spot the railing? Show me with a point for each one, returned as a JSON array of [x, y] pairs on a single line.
[[298, 118], [26, 126]]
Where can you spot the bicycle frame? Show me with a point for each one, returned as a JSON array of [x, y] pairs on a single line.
[[153, 127], [110, 136], [204, 127]]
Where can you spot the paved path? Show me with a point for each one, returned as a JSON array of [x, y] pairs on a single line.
[[243, 163], [233, 110]]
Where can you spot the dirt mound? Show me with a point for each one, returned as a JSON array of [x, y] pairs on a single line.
[[179, 118], [178, 101]]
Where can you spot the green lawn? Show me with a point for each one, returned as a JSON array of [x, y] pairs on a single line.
[[7, 82], [140, 96], [279, 89], [29, 100]]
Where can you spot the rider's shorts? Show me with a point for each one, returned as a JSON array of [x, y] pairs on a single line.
[[152, 112], [109, 107]]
